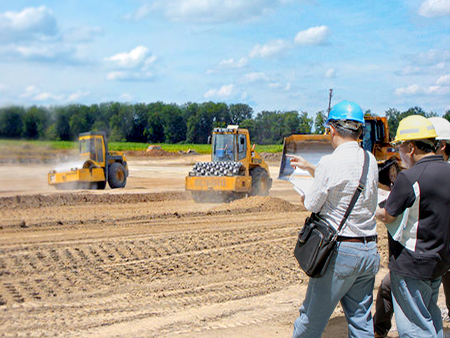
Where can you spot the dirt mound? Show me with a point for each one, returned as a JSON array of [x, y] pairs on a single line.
[[31, 154], [66, 199], [259, 204], [271, 157], [150, 153]]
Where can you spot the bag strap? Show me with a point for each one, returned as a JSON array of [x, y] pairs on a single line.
[[361, 186]]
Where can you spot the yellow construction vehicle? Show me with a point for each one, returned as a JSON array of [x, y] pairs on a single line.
[[96, 166], [374, 138], [235, 170]]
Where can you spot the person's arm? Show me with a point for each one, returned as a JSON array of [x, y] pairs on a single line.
[[302, 199], [401, 197], [297, 161], [382, 215], [318, 192]]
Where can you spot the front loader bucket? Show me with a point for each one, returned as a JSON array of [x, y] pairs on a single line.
[[310, 146]]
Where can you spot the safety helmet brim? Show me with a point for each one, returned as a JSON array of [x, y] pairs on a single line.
[[414, 127]]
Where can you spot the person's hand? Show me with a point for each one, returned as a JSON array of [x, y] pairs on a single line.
[[297, 161]]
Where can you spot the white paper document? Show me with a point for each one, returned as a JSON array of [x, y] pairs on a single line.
[[301, 182]]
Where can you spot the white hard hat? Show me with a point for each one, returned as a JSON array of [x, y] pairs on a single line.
[[442, 127]]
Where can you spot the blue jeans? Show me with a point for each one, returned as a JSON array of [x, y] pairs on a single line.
[[415, 307], [349, 279]]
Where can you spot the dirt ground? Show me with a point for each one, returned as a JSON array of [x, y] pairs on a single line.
[[146, 261]]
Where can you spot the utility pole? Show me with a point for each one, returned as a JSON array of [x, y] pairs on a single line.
[[329, 101]]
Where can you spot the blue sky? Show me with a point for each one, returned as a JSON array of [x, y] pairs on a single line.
[[271, 54]]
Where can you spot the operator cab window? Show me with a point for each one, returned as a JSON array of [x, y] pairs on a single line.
[[368, 136], [242, 146], [223, 147], [99, 150]]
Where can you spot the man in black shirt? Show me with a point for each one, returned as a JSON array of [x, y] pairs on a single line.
[[416, 215]]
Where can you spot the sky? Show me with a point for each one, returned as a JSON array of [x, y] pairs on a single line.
[[270, 54]]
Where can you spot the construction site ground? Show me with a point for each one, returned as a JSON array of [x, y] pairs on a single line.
[[146, 261]]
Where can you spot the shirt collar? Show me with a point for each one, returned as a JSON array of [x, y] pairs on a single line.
[[430, 159], [348, 145]]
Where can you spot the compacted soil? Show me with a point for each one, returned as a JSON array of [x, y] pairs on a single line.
[[146, 261]]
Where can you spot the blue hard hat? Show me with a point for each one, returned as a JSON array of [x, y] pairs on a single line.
[[345, 111]]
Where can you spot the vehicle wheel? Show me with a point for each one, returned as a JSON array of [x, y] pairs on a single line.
[[261, 182], [393, 173], [388, 172], [116, 176], [198, 196], [100, 185]]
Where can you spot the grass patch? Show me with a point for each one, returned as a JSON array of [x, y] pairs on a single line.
[[128, 146]]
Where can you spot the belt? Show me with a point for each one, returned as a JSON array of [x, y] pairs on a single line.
[[357, 239]]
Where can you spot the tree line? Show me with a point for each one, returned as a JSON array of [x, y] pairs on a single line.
[[165, 123]]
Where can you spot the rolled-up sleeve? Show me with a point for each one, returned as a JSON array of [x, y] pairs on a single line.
[[317, 194]]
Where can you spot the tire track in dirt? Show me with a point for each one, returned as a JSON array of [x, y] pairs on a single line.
[[92, 275]]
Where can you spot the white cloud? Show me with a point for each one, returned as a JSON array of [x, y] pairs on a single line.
[[30, 91], [278, 85], [83, 34], [132, 66], [232, 63], [148, 62], [36, 51], [254, 77], [270, 49], [224, 92], [126, 97], [3, 87], [432, 56], [45, 52], [416, 89], [47, 97], [444, 80], [409, 70], [330, 73], [313, 36], [212, 11], [139, 14], [130, 76], [434, 8], [77, 95], [409, 90], [133, 59], [30, 23]]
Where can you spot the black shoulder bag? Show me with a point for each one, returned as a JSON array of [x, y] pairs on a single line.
[[317, 238]]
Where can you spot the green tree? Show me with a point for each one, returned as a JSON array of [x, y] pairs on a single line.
[[122, 123], [62, 126], [250, 124], [35, 122], [394, 117], [174, 125], [319, 122], [447, 115], [269, 127], [291, 123], [240, 112], [140, 123], [81, 119], [192, 122], [154, 131], [368, 113], [305, 123], [11, 123]]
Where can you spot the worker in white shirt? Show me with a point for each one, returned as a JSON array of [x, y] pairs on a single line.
[[350, 276]]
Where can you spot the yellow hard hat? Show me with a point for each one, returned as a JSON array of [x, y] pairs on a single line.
[[414, 127]]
